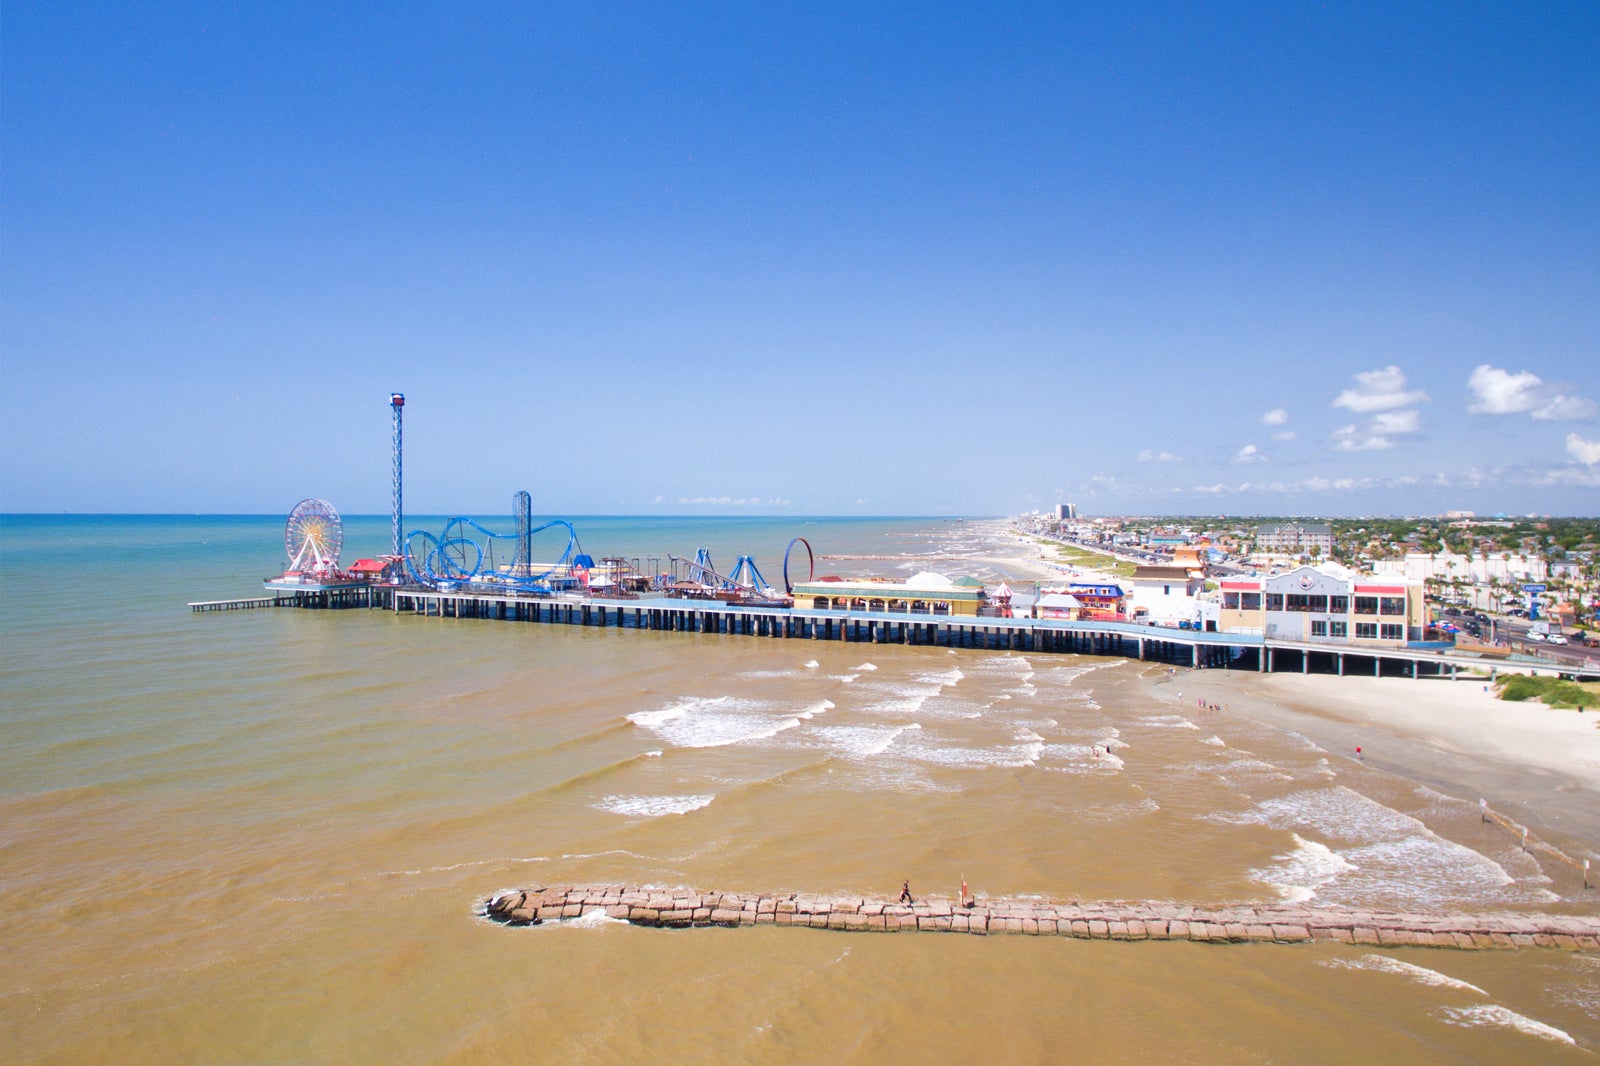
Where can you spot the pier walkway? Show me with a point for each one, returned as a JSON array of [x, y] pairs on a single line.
[[1108, 920], [1183, 647], [1179, 647]]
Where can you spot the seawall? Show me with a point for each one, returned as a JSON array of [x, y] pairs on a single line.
[[1082, 920]]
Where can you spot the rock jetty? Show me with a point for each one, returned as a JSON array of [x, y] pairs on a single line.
[[1111, 920]]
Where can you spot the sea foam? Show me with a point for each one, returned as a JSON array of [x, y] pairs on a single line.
[[715, 721], [1420, 974], [1496, 1016], [653, 806]]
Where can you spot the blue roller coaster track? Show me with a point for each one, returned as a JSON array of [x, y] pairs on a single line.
[[457, 557]]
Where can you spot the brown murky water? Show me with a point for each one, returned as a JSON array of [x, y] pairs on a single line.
[[272, 847]]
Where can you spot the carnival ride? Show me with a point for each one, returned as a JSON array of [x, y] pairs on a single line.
[[467, 552], [313, 536], [811, 564], [744, 583]]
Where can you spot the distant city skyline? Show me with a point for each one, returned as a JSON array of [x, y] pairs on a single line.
[[1228, 259]]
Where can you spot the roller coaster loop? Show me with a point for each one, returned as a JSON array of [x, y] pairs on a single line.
[[811, 564], [457, 556]]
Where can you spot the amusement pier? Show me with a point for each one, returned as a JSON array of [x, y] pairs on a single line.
[[1267, 624]]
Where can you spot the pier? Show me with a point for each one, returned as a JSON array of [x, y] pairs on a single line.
[[1179, 647], [327, 598], [1105, 920]]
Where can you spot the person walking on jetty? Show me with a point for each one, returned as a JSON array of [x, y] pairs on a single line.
[[905, 893]]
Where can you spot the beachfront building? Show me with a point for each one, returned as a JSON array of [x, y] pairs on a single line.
[[1326, 603], [925, 593], [1171, 594], [1082, 601], [1506, 567], [1165, 595], [1295, 538], [1061, 605]]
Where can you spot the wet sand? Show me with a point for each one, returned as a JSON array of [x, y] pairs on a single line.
[[1535, 764]]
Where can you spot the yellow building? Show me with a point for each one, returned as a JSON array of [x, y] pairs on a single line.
[[930, 594]]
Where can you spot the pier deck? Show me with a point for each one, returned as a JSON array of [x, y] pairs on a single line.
[[1179, 647]]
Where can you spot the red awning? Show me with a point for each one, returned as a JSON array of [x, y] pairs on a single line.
[[368, 566]]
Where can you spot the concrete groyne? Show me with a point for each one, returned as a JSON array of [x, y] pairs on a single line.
[[1106, 920]]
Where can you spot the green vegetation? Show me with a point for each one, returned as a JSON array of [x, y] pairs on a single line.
[[1075, 556], [1553, 691]]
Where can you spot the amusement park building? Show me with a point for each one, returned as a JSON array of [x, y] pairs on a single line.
[[1326, 603], [922, 594]]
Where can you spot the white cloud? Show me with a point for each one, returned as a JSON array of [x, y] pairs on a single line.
[[1578, 477], [1563, 408], [1276, 417], [1585, 451], [1287, 434], [1379, 390], [1386, 423], [1350, 439], [1500, 392], [736, 501], [1148, 456], [1249, 454]]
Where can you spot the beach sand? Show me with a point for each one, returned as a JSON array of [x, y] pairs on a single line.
[[1535, 764]]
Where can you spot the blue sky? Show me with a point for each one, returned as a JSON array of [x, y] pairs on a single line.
[[809, 259]]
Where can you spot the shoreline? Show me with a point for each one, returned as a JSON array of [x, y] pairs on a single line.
[[1535, 764]]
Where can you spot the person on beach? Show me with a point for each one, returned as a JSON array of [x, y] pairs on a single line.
[[1358, 753], [905, 893]]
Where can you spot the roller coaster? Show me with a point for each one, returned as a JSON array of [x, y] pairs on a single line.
[[745, 583], [503, 561]]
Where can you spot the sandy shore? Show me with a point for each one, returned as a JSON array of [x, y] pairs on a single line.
[[1535, 764], [1016, 558], [1538, 765], [1028, 560]]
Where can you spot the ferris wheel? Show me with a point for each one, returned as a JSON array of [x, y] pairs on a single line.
[[313, 537]]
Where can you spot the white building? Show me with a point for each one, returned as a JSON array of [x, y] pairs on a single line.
[[1170, 595], [1478, 569]]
